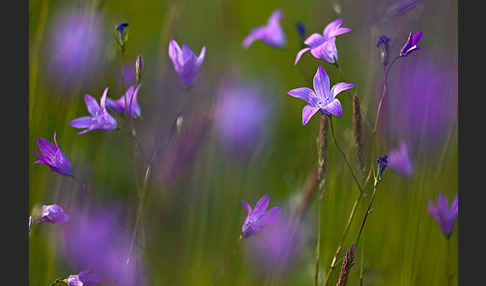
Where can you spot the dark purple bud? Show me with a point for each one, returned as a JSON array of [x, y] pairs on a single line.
[[382, 164], [122, 28], [301, 30], [411, 44], [383, 45]]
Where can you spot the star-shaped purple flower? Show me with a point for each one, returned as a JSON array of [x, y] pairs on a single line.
[[186, 64], [271, 34], [445, 216], [399, 161], [53, 214], [324, 46], [99, 119], [130, 97], [84, 278], [411, 44], [322, 98], [259, 217], [53, 157]]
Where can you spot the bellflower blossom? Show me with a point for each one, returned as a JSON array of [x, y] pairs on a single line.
[[324, 46], [186, 64], [271, 34], [53, 157], [322, 98], [259, 217], [84, 278], [445, 216], [53, 214], [99, 119], [97, 240], [399, 161], [411, 44], [130, 97], [122, 28]]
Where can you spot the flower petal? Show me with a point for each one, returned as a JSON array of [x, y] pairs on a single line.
[[327, 51], [200, 59], [416, 38], [339, 87], [307, 112], [321, 83], [82, 122], [455, 206], [248, 207], [442, 204], [255, 34], [174, 52], [262, 204], [314, 40], [303, 93], [91, 104], [46, 147], [270, 217], [299, 55], [433, 210], [333, 108], [103, 99]]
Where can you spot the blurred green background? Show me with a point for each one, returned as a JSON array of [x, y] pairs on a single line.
[[193, 216]]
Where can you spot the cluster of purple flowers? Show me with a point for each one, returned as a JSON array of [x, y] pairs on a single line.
[[97, 241]]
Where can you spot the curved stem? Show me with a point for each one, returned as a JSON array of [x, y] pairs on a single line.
[[383, 93], [344, 156], [368, 210]]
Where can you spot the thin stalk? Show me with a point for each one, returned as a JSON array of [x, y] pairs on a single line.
[[343, 237], [383, 93], [344, 155], [318, 243], [368, 210], [361, 268], [57, 281]]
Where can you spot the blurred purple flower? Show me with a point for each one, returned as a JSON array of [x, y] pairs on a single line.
[[324, 46], [186, 64], [271, 34], [240, 116], [411, 44], [445, 216], [424, 102], [130, 97], [399, 161], [259, 217], [84, 278], [95, 239], [53, 214], [53, 157], [382, 164], [321, 98], [401, 7], [276, 248], [99, 119], [129, 75], [75, 45]]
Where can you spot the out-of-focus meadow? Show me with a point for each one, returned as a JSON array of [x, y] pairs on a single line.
[[241, 138]]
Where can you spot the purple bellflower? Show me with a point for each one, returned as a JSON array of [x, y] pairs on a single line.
[[53, 157], [130, 98], [324, 46], [259, 217], [186, 64], [84, 278], [445, 216], [322, 98], [53, 214], [411, 44], [271, 34], [99, 119], [399, 161]]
